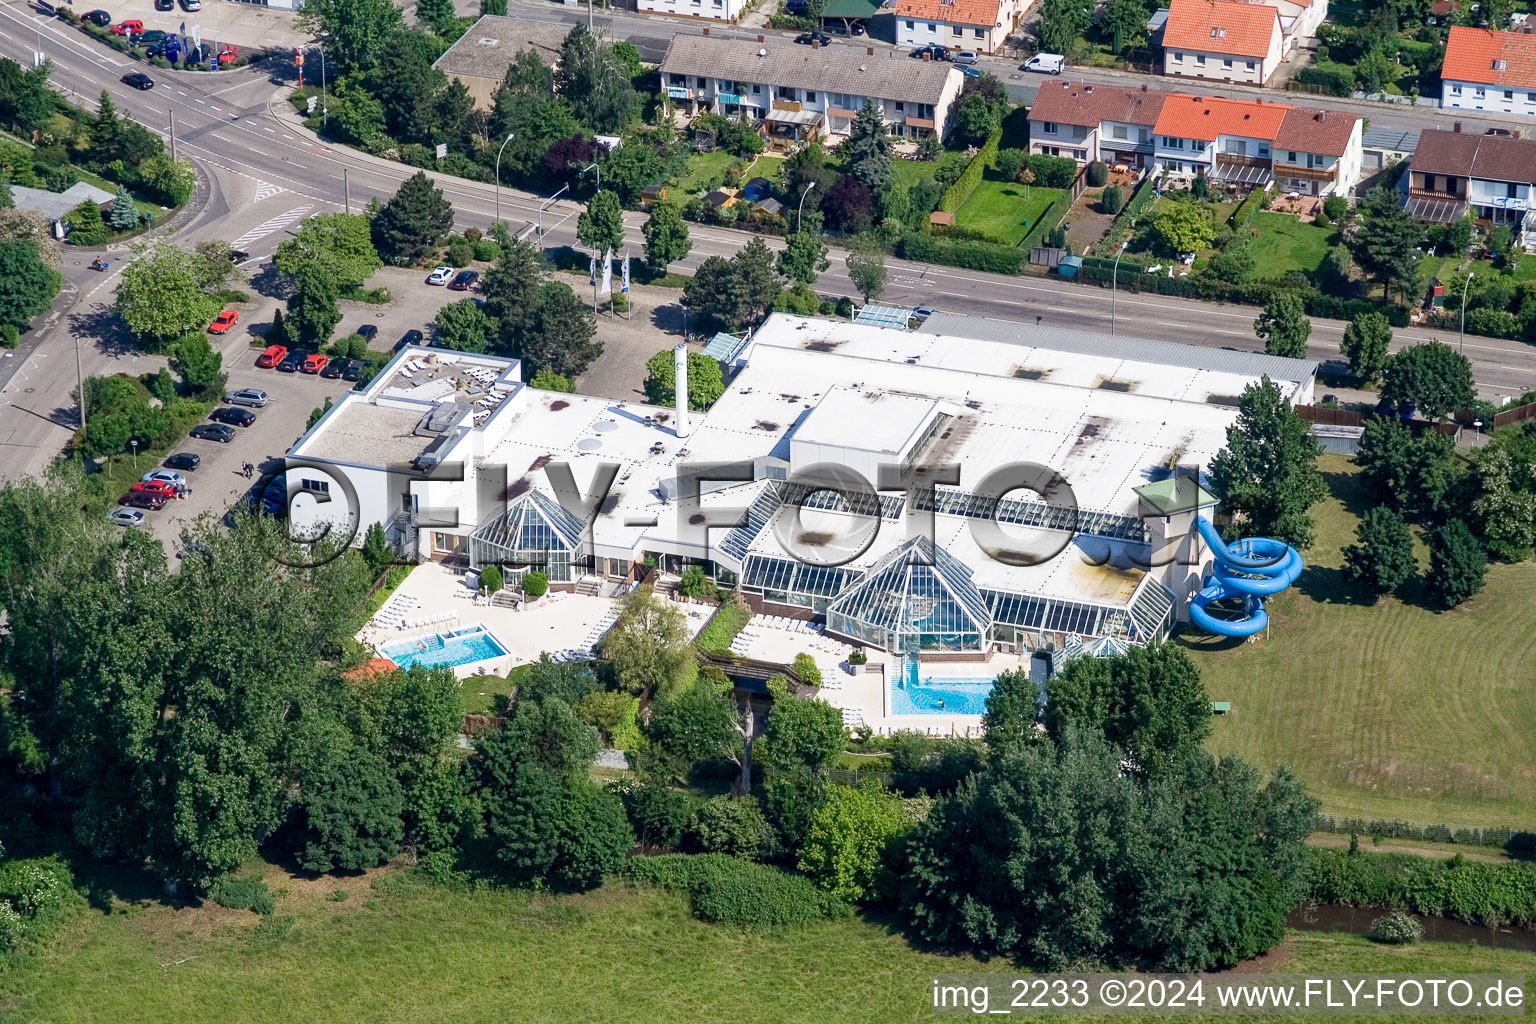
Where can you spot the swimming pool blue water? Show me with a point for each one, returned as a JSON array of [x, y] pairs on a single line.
[[915, 694], [459, 647]]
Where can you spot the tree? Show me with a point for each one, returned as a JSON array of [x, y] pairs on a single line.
[[980, 111], [802, 732], [1183, 227], [159, 296], [413, 222], [705, 383], [313, 312], [458, 120], [350, 808], [1505, 511], [735, 827], [510, 288], [804, 257], [567, 681], [355, 33], [734, 293], [27, 287], [31, 226], [463, 326], [1284, 326], [1267, 473], [200, 368], [753, 264], [1410, 473], [85, 224], [849, 205], [594, 82], [1062, 24], [869, 148], [1457, 563], [866, 267], [601, 226], [376, 549], [560, 332], [852, 843], [173, 181], [1385, 242], [106, 126], [1125, 21], [804, 666], [1382, 556], [1432, 376], [338, 245], [649, 646], [122, 215], [666, 236], [1366, 342], [1232, 264], [535, 584], [407, 87], [628, 169], [805, 167], [438, 15], [490, 579]]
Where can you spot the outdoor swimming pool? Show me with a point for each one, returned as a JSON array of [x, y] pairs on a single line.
[[915, 694], [459, 647]]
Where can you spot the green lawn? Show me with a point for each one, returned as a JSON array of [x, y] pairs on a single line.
[[1285, 244], [1004, 210], [703, 169], [766, 167], [478, 694], [397, 953], [1387, 710], [906, 173]]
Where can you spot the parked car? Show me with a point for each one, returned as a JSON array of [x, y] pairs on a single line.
[[150, 37], [333, 368], [922, 313], [154, 487], [101, 19], [1046, 63], [440, 275], [125, 517], [932, 51], [165, 5], [970, 71], [354, 370], [858, 28], [253, 397], [234, 417], [223, 322], [130, 27], [965, 58], [464, 280], [191, 5], [139, 80], [368, 332], [164, 476], [213, 432], [411, 337], [143, 499], [292, 361], [819, 38], [271, 356], [188, 461], [315, 363]]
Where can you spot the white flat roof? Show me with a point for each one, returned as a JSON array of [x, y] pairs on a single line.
[[872, 421]]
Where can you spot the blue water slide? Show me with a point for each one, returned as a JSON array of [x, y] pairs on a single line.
[[1248, 570]]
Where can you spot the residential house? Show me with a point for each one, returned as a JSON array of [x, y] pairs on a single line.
[[1489, 70], [1223, 40], [481, 56], [1317, 152], [709, 10], [1299, 19], [1095, 122], [1453, 171], [801, 93], [58, 205], [981, 25], [1224, 140]]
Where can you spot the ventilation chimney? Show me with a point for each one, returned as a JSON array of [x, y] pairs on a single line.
[[1319, 116], [680, 379], [869, 51], [1088, 89], [760, 39], [1456, 126]]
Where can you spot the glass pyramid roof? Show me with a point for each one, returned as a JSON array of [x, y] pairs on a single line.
[[917, 588], [535, 522]]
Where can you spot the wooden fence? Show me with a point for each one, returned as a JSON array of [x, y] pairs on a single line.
[[1517, 414], [1330, 415]]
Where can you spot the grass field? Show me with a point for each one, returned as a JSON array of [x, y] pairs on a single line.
[[619, 955], [1004, 210], [1285, 244], [704, 168], [1387, 710], [478, 694]]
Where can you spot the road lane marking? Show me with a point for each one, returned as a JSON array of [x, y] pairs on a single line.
[[266, 227]]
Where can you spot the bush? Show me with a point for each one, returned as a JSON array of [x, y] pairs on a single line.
[[986, 256], [806, 668], [535, 583], [1052, 171], [1111, 199], [659, 814], [1336, 207], [1244, 214], [858, 657], [490, 579], [1098, 174], [1008, 163], [1475, 892], [460, 254], [956, 195], [10, 337], [1493, 323], [735, 825], [486, 250], [696, 583], [717, 635], [242, 894], [726, 890], [1396, 929]]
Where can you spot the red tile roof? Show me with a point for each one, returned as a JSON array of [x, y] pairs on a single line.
[[1077, 103], [1205, 117], [1316, 131], [961, 12], [1489, 57], [1221, 26]]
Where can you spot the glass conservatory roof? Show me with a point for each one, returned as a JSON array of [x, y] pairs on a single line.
[[534, 522], [917, 588]]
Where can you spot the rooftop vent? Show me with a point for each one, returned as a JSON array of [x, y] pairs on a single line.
[[488, 41], [1319, 116], [762, 52], [863, 67], [1088, 88]]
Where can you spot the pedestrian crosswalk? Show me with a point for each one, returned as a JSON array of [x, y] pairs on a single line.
[[266, 190], [266, 227]]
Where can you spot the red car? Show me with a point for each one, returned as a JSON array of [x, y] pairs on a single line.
[[154, 487], [223, 322], [314, 364], [130, 27], [152, 500], [272, 356]]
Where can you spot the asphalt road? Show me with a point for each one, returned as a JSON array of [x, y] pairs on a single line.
[[261, 173]]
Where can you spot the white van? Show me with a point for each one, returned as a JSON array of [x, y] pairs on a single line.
[[1046, 63]]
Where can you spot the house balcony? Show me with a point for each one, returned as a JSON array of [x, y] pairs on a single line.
[[1309, 173]]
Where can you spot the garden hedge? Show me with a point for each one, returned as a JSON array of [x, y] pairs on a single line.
[[727, 890], [955, 196], [1247, 209], [969, 255], [1049, 218], [1473, 891], [1337, 79]]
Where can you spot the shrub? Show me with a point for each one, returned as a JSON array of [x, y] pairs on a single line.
[[717, 635], [1493, 323], [806, 668], [1336, 207], [858, 657], [1098, 174], [242, 894], [659, 814], [535, 583], [460, 254], [549, 380], [13, 927], [969, 255], [1321, 219], [734, 825], [1396, 928], [1111, 199], [1337, 79], [1008, 162], [725, 890], [1052, 171], [1475, 892], [10, 337], [490, 579], [486, 250]]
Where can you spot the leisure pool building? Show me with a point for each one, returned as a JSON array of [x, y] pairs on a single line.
[[458, 458]]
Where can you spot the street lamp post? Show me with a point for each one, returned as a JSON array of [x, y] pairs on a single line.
[[509, 138], [325, 120], [597, 171], [1463, 339], [1114, 284], [133, 446], [801, 208], [546, 205]]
